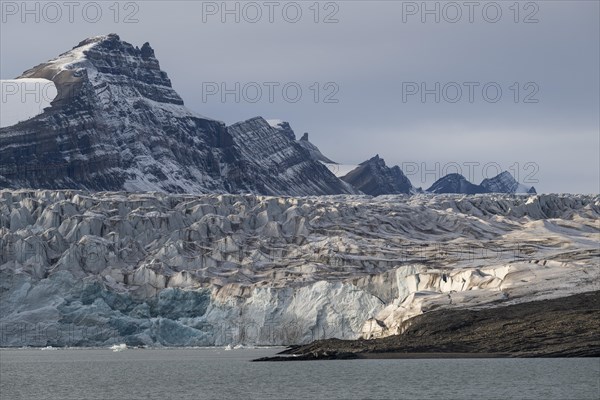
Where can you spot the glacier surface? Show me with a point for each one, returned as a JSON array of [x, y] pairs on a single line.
[[97, 269]]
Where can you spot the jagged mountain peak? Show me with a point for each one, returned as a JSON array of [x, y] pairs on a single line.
[[117, 124], [282, 126], [106, 65], [111, 37], [455, 183], [374, 160], [501, 183], [147, 51], [71, 58], [504, 182], [456, 177], [112, 41], [375, 178]]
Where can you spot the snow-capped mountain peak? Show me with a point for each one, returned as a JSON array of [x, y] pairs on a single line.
[[117, 124], [72, 58]]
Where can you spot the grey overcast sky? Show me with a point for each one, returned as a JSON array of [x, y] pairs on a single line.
[[375, 58]]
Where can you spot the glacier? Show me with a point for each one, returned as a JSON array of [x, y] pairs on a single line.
[[107, 268]]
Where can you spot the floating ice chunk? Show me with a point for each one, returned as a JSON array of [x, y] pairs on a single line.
[[118, 347]]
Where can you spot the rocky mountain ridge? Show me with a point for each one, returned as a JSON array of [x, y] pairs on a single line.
[[374, 177], [117, 124]]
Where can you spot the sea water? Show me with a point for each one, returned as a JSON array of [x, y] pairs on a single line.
[[216, 373]]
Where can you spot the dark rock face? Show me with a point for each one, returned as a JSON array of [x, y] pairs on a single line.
[[375, 178], [455, 183], [505, 183], [291, 168], [117, 124], [501, 183]]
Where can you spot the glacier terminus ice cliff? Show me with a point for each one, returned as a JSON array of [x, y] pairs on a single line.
[[94, 269]]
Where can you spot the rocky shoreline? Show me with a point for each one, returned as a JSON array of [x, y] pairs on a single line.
[[563, 327]]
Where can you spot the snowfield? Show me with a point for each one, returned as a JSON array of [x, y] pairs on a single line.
[[340, 170], [83, 269], [25, 98]]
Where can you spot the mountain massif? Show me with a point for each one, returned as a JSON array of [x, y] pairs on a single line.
[[373, 177], [117, 124]]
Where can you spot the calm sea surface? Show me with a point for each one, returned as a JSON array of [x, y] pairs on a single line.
[[84, 374]]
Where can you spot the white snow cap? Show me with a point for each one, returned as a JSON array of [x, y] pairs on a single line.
[[25, 98], [274, 122]]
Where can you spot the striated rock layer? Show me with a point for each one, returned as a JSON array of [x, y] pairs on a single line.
[[504, 182], [117, 124], [374, 177], [85, 269]]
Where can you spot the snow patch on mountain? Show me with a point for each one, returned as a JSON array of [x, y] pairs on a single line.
[[274, 123], [23, 99], [69, 59], [340, 170]]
